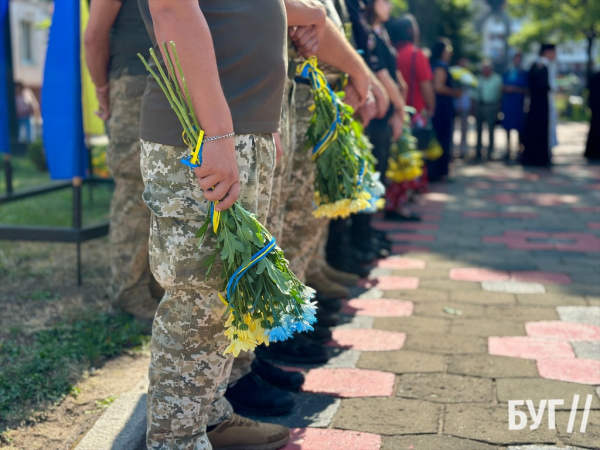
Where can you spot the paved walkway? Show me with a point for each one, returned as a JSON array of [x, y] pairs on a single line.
[[495, 297]]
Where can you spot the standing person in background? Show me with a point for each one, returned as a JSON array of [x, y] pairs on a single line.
[[487, 105], [27, 106], [592, 148], [443, 119], [412, 63], [540, 131], [114, 36], [513, 101], [464, 106]]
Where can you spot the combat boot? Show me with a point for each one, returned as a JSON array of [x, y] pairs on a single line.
[[240, 433], [344, 278], [325, 287]]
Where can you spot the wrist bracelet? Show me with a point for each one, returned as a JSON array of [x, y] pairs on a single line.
[[214, 138]]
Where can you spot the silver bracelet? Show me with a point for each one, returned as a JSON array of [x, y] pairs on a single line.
[[214, 138]]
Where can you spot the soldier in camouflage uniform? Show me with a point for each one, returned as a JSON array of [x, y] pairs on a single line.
[[188, 337], [133, 288]]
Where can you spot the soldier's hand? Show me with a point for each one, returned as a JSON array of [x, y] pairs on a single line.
[[381, 98], [397, 124], [368, 111], [352, 98], [361, 83], [219, 176], [103, 95], [306, 39]]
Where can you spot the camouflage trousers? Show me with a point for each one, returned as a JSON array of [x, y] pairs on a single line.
[[188, 370], [129, 216], [242, 364], [302, 232]]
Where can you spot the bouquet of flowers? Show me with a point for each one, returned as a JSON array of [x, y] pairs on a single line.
[[405, 162], [341, 164], [463, 76], [265, 301]]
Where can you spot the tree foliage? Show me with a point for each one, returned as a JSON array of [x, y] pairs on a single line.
[[452, 19], [555, 20]]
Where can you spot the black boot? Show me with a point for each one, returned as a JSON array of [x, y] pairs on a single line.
[[254, 396], [326, 318], [290, 381], [320, 335], [297, 350]]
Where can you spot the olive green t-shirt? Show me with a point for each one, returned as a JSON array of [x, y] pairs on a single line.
[[249, 38], [128, 37]]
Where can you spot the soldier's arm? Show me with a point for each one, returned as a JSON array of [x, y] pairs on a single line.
[[97, 48], [182, 22], [335, 50], [305, 13]]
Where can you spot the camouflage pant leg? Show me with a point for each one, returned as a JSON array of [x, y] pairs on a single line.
[[301, 230], [318, 259], [242, 364], [188, 370], [129, 216]]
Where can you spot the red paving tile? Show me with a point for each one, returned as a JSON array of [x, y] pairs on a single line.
[[563, 331], [390, 283], [402, 248], [398, 226], [594, 225], [431, 217], [399, 263], [524, 245], [583, 371], [586, 208], [477, 275], [324, 439], [519, 215], [480, 214], [349, 382], [411, 237], [528, 234], [367, 340], [529, 347], [541, 277], [380, 307], [592, 187]]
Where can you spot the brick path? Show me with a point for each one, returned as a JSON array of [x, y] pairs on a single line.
[[495, 297]]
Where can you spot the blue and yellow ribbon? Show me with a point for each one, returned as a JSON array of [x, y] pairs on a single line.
[[310, 71]]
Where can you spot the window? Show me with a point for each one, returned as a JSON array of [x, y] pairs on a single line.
[[26, 29]]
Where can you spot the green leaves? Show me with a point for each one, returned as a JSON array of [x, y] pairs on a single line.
[[230, 245]]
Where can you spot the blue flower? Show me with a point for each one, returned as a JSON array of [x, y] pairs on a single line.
[[302, 326], [280, 333]]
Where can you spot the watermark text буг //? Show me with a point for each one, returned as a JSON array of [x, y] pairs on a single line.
[[519, 418]]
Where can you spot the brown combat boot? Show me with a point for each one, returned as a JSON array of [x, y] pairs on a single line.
[[325, 287], [240, 433], [345, 278]]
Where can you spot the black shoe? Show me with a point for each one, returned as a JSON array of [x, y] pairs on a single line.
[[350, 266], [362, 257], [289, 381], [396, 217], [326, 318], [297, 350], [329, 304], [251, 395], [321, 335]]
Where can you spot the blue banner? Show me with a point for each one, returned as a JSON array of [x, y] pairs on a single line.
[[61, 95], [4, 94]]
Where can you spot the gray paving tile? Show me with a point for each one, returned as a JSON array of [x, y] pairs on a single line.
[[580, 314], [587, 350], [513, 287]]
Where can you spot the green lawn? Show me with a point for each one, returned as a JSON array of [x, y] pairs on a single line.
[[52, 209]]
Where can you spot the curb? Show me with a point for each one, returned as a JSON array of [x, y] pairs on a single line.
[[122, 426]]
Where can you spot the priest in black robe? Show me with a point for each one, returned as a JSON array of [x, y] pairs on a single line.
[[539, 128], [592, 149]]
